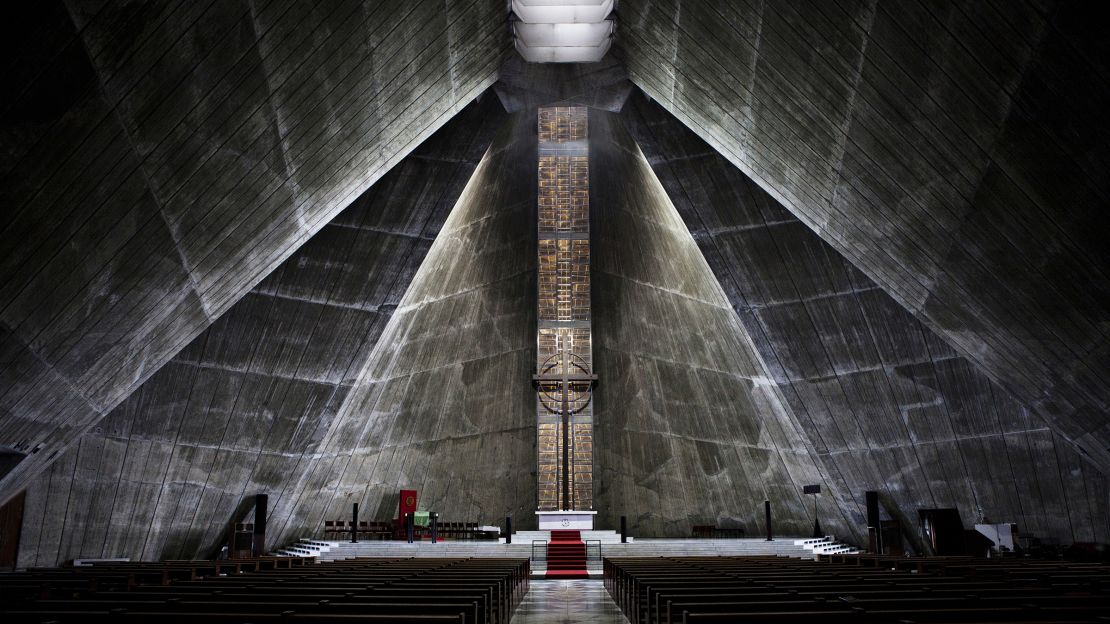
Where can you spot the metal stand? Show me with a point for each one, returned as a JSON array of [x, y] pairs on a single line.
[[815, 490], [767, 517], [816, 521], [258, 537], [354, 523]]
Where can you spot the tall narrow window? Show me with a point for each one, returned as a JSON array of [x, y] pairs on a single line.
[[564, 354]]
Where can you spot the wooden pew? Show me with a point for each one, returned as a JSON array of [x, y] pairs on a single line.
[[468, 591], [719, 589]]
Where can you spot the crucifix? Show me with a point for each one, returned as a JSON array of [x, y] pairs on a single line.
[[565, 393]]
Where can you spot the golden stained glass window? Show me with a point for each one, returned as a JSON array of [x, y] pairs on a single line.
[[564, 351], [562, 124], [564, 280], [564, 194]]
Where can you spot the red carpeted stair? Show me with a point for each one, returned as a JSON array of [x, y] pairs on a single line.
[[566, 556]]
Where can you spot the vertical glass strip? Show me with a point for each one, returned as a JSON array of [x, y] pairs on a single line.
[[564, 353]]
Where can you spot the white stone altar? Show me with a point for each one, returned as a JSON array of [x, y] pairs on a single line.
[[555, 520]]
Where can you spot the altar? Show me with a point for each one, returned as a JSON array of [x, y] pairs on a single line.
[[556, 520]]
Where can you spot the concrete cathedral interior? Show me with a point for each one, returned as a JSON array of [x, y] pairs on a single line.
[[570, 297]]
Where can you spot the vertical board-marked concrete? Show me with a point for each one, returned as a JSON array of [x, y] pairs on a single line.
[[954, 152], [445, 404], [159, 159], [691, 429], [887, 404], [241, 409]]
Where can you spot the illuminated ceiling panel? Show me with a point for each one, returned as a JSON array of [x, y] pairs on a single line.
[[564, 35], [562, 11], [567, 31]]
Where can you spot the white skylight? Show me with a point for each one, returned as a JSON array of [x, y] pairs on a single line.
[[563, 31], [562, 11]]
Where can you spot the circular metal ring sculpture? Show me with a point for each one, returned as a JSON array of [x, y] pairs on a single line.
[[579, 392]]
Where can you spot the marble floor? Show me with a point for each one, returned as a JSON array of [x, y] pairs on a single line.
[[567, 602]]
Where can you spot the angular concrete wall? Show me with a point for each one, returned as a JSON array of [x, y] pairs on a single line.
[[159, 159], [523, 86], [241, 409], [886, 404], [444, 404], [955, 153], [690, 426]]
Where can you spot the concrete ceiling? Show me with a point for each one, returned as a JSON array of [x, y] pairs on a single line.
[[160, 159], [954, 152], [244, 408]]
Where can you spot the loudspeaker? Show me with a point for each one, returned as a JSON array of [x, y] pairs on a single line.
[[767, 517], [874, 530], [260, 503], [354, 523], [872, 499]]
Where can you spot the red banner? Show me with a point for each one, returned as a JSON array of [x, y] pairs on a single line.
[[407, 503]]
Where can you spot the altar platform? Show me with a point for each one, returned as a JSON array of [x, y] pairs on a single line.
[[522, 546]]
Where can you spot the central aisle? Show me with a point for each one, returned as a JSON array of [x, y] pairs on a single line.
[[566, 602]]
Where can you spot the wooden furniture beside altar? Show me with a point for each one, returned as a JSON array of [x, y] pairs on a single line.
[[371, 530], [241, 544], [710, 531]]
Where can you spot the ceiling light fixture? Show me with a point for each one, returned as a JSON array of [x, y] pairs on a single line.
[[563, 31]]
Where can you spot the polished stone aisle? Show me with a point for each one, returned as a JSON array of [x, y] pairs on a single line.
[[567, 602]]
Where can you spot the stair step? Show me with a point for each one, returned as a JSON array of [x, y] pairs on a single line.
[[330, 550]]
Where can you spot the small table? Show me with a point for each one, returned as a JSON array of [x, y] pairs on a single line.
[[555, 520]]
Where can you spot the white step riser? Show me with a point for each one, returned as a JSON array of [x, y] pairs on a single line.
[[327, 550], [828, 539], [522, 547], [825, 546]]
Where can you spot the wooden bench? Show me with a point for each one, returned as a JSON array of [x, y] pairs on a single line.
[[466, 591], [719, 589]]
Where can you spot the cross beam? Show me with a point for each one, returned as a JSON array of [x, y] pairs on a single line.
[[564, 380]]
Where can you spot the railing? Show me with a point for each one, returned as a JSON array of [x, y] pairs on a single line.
[[595, 555], [593, 551], [709, 531]]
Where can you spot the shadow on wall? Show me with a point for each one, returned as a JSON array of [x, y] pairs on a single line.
[[9, 459], [192, 541], [388, 506]]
